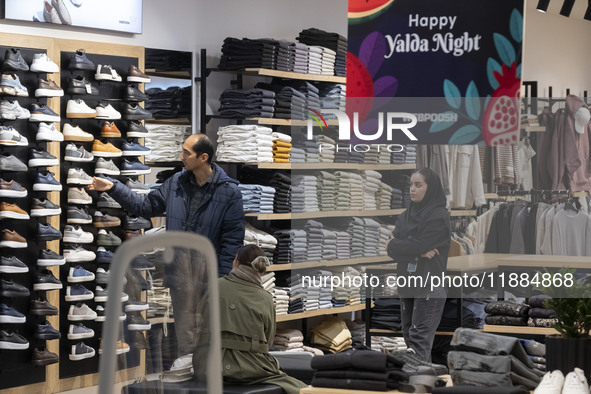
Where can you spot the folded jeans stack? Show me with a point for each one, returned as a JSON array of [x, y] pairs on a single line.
[[332, 41], [247, 103], [238, 54], [538, 315], [506, 313], [170, 103]]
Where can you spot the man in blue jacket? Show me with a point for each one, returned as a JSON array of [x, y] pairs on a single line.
[[203, 199]]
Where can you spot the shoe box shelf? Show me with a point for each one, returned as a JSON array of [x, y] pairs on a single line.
[[17, 374]]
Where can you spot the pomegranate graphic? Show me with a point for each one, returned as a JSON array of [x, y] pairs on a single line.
[[501, 118]]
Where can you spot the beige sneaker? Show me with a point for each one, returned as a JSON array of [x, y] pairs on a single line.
[[72, 133], [77, 195]]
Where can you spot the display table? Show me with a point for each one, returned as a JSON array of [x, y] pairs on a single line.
[[328, 390], [156, 386]]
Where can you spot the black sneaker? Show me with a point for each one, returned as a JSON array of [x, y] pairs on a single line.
[[135, 112], [41, 158], [48, 258], [78, 216], [142, 263], [79, 61], [12, 341], [136, 223], [80, 85], [45, 232], [137, 323], [11, 289], [44, 280], [106, 201], [134, 95], [136, 129], [12, 265], [13, 60], [44, 207], [46, 331], [41, 307]]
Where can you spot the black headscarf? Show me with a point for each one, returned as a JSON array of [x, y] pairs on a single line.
[[431, 207]]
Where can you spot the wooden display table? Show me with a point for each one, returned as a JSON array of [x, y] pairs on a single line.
[[328, 390]]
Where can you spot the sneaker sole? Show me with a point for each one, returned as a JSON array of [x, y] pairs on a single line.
[[106, 172], [79, 297], [139, 327], [13, 215], [110, 135], [107, 77], [79, 279], [106, 154], [48, 237], [135, 172], [78, 181], [119, 351], [12, 319], [138, 79], [43, 312], [50, 262], [79, 221], [13, 294], [45, 187], [48, 93], [137, 134], [135, 99], [103, 243], [47, 286], [14, 143], [46, 212], [48, 337], [43, 162], [78, 201], [109, 117], [81, 336], [135, 152], [40, 69], [81, 66], [49, 137], [107, 224], [77, 240], [7, 269], [81, 317], [12, 244], [78, 357], [15, 169], [41, 363], [136, 308], [13, 346], [13, 193], [78, 159], [82, 138], [44, 118], [79, 259], [81, 115], [76, 90]]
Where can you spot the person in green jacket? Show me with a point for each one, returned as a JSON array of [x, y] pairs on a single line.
[[247, 321]]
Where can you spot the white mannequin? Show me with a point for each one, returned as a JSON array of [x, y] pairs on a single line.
[[582, 117]]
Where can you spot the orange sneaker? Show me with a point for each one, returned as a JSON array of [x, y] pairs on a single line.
[[101, 149], [12, 211], [110, 130]]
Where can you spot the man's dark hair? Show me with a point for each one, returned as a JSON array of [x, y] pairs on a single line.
[[204, 145]]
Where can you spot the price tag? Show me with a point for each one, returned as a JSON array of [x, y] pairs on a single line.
[[88, 88]]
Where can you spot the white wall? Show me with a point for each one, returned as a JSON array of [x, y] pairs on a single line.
[[556, 50]]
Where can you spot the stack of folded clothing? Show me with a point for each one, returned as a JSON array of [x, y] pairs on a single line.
[[483, 359], [164, 141], [245, 144], [371, 186], [309, 184], [372, 155], [281, 299], [312, 151], [384, 196], [268, 282], [289, 340], [332, 41], [536, 352], [289, 102], [310, 91], [343, 245], [174, 102], [315, 237], [327, 189], [247, 103], [329, 244], [357, 192], [298, 199], [365, 370], [267, 199], [167, 60], [340, 296], [384, 156], [238, 54], [357, 328], [328, 60], [450, 319], [402, 183], [292, 284], [281, 147], [355, 292], [343, 196], [325, 294], [282, 56], [257, 198], [258, 237], [506, 313], [396, 202], [325, 155], [282, 185], [538, 315], [291, 246], [311, 298], [383, 237], [331, 335], [341, 155], [372, 234], [332, 96], [356, 231], [297, 155], [393, 344], [314, 59], [298, 57], [386, 314], [355, 157], [411, 154]]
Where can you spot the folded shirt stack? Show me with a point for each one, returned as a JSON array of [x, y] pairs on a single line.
[[396, 199], [507, 313], [343, 197], [291, 246], [297, 155], [356, 231], [254, 236], [357, 193], [331, 335], [384, 196], [289, 102], [384, 235], [332, 41], [282, 185], [371, 186], [327, 189], [314, 60], [281, 299], [164, 142], [288, 339], [257, 198], [329, 244], [325, 155], [309, 185], [245, 144], [402, 183], [332, 96], [372, 233], [281, 147], [411, 154], [298, 57], [356, 293], [238, 54], [268, 281], [315, 239], [343, 243], [247, 103]]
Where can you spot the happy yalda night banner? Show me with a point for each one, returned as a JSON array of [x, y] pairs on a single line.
[[454, 64]]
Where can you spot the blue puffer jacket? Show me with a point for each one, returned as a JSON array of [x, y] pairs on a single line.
[[220, 215]]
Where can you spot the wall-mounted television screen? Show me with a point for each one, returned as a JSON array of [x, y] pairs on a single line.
[[118, 15]]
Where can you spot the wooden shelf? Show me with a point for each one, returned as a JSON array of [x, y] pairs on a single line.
[[580, 194], [324, 214], [168, 74], [173, 121], [376, 331], [328, 263], [519, 330], [160, 320], [320, 312], [264, 72], [533, 129], [462, 212], [333, 166]]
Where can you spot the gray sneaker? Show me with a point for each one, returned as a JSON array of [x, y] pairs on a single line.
[[79, 331], [102, 276], [9, 136], [11, 163], [106, 167], [12, 110], [106, 201], [78, 154], [77, 176], [105, 238], [78, 216], [77, 195], [137, 186]]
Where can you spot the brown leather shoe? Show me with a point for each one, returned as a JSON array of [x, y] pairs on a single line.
[[136, 75], [130, 234], [43, 357], [48, 88], [110, 130], [12, 211], [11, 189], [11, 239]]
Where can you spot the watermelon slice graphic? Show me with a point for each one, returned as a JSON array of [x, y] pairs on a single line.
[[364, 10], [360, 89]]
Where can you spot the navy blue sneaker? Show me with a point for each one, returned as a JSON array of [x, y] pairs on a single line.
[[130, 148], [11, 315], [103, 255], [42, 113], [79, 61], [46, 332], [46, 183], [10, 289], [134, 168], [48, 233]]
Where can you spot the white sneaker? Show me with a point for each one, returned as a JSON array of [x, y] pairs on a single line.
[[81, 312], [575, 383], [11, 137], [78, 255], [48, 132], [75, 235], [43, 64], [12, 110], [77, 108], [106, 73], [106, 111], [72, 133], [77, 176], [551, 383]]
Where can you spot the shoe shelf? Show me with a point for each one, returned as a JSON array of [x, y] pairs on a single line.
[[319, 312], [328, 263], [168, 74], [525, 330], [324, 214], [462, 212], [264, 72], [332, 166], [172, 121]]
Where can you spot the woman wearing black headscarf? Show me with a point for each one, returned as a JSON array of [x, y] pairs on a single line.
[[420, 245]]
